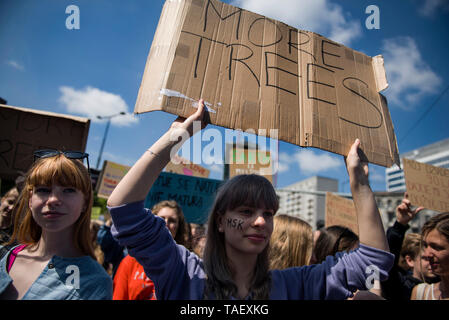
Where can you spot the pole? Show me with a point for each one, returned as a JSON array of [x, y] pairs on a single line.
[[102, 144]]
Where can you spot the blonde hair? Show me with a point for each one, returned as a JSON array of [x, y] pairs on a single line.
[[182, 232], [98, 252], [251, 190], [291, 243], [46, 172], [11, 192], [411, 246]]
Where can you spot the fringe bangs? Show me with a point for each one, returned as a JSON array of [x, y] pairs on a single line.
[[62, 171]]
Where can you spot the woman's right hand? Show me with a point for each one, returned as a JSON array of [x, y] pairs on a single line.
[[136, 184]]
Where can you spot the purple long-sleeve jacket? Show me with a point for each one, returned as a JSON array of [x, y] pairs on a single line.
[[178, 274]]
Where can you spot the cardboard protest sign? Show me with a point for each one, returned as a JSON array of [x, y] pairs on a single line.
[[340, 211], [110, 176], [249, 161], [23, 130], [195, 195], [427, 186], [260, 74], [183, 166]]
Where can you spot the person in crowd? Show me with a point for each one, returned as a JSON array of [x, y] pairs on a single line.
[[198, 249], [291, 243], [316, 234], [6, 209], [95, 225], [113, 253], [198, 238], [130, 281], [435, 233], [334, 239], [320, 224], [409, 267], [413, 262], [188, 236], [20, 180], [54, 259], [235, 263]]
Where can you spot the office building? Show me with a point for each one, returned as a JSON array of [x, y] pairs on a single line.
[[306, 199]]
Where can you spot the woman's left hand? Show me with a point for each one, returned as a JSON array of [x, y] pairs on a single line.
[[357, 169]]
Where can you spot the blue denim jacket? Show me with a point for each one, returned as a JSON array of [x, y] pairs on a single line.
[[79, 278]]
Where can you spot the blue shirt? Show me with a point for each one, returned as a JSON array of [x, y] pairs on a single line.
[[80, 278], [178, 274]]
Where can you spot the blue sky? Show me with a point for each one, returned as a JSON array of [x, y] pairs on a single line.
[[97, 69]]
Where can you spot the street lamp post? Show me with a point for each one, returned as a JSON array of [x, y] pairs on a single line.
[[105, 134]]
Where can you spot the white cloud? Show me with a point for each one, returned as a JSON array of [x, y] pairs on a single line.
[[376, 176], [312, 163], [309, 162], [93, 102], [116, 158], [430, 7], [284, 162], [15, 65], [409, 77], [320, 16]]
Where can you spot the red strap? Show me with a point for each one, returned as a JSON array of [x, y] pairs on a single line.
[[13, 255]]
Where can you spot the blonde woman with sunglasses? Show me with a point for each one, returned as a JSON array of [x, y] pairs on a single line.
[[54, 259]]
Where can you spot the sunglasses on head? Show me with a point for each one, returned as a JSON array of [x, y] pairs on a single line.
[[48, 153]]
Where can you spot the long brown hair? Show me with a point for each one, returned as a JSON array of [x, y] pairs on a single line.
[[46, 172], [440, 222], [334, 239], [291, 243], [251, 190]]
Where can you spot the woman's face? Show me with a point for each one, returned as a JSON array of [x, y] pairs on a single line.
[[7, 206], [171, 219], [56, 208], [246, 230], [421, 266], [437, 252]]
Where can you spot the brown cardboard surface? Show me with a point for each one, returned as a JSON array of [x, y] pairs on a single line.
[[257, 73], [110, 176], [185, 167], [427, 186], [340, 211], [23, 130]]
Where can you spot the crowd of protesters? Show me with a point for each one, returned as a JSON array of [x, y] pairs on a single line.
[[51, 249]]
